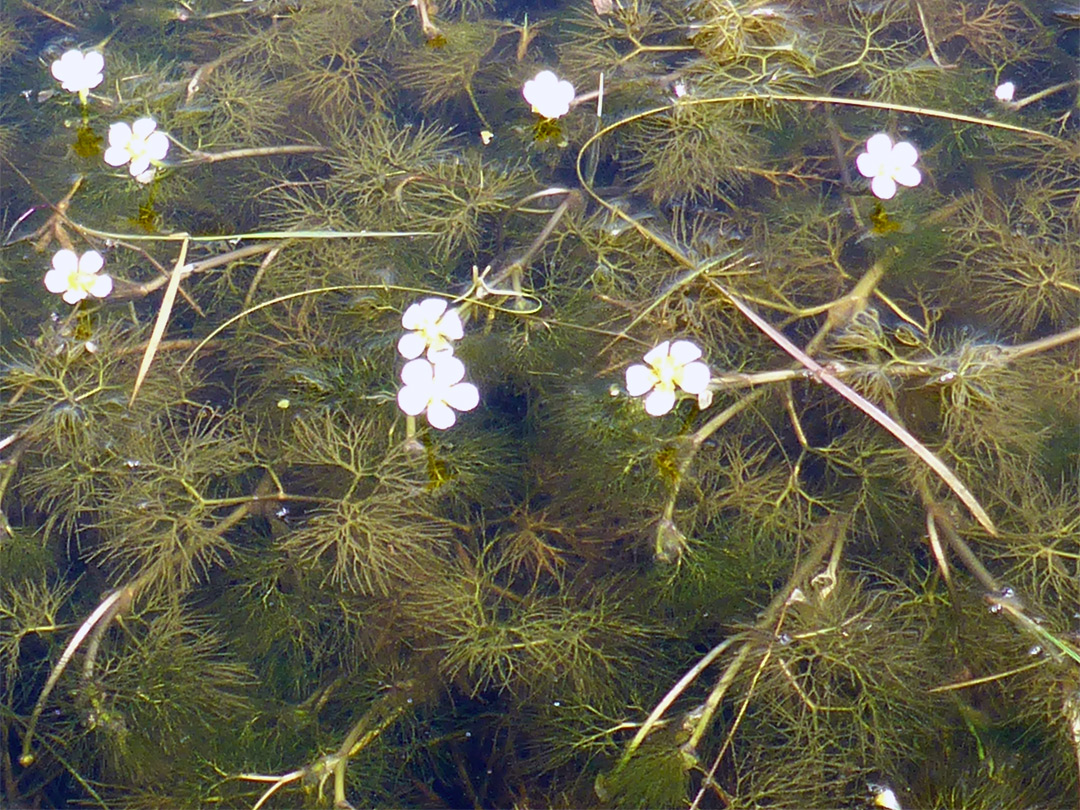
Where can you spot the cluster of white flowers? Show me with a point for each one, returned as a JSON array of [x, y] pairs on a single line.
[[138, 144], [433, 384]]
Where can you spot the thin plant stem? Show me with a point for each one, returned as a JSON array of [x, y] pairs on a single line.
[[700, 436], [673, 694], [870, 409], [770, 621], [161, 323]]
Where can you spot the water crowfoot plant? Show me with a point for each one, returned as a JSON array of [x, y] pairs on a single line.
[[671, 365], [433, 329], [77, 277], [436, 390], [484, 617], [887, 164], [548, 95], [79, 72], [138, 144]]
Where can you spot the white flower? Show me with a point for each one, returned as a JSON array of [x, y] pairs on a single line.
[[1005, 91], [433, 328], [77, 277], [437, 390], [885, 796], [888, 164], [138, 143], [669, 365], [548, 95], [79, 72]]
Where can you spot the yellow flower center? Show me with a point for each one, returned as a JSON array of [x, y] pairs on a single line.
[[667, 370]]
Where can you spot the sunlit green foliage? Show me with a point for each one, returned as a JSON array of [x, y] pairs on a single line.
[[447, 68]]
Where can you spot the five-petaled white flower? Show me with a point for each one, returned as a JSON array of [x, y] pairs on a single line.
[[670, 364], [548, 95], [433, 328], [887, 164], [138, 143], [436, 390], [77, 277], [1005, 91], [79, 72]]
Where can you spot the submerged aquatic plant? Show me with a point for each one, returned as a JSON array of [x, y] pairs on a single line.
[[257, 583]]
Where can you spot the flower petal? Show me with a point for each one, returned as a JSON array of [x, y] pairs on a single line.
[[683, 352], [883, 186], [411, 345], [117, 156], [904, 154], [441, 416], [655, 355], [91, 262], [451, 326], [139, 165], [56, 281], [659, 402], [143, 127], [463, 396], [419, 373], [157, 146], [448, 370], [907, 176], [879, 145], [74, 296], [67, 66], [93, 62], [66, 261], [694, 378], [413, 399], [868, 165], [639, 380], [119, 135], [410, 318], [101, 287]]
